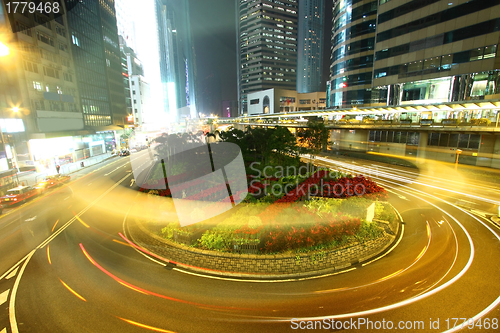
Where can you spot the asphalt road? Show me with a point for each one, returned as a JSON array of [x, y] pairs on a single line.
[[65, 268]]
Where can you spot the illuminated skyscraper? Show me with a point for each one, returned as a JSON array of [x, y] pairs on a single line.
[[97, 57], [176, 57], [267, 44], [310, 45]]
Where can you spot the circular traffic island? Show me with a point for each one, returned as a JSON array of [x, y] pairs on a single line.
[[286, 227]]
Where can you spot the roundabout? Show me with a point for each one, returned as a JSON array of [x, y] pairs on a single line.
[[443, 267]]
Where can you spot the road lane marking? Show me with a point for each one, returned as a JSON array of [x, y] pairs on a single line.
[[26, 259], [12, 274], [4, 296], [83, 211], [413, 299], [12, 303], [492, 306], [121, 166], [392, 248]]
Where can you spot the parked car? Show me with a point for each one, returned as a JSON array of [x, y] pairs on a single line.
[[19, 194]]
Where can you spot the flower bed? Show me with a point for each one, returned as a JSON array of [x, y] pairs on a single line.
[[309, 212]]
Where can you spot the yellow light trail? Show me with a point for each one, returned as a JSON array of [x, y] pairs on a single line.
[[122, 243], [80, 220], [72, 291], [391, 275], [135, 289], [54, 226], [48, 255], [156, 329]]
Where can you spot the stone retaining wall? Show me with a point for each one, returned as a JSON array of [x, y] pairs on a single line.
[[261, 266]]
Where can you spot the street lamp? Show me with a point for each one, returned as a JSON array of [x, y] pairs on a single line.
[[4, 50], [15, 109]]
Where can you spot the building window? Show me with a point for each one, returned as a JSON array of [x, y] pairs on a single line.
[[44, 38], [63, 47], [31, 67], [254, 101], [23, 29], [37, 86], [61, 31], [265, 104], [47, 71], [75, 40]]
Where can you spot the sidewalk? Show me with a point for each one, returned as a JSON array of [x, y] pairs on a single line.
[[32, 177]]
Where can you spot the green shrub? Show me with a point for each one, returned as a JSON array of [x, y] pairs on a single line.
[[355, 206], [368, 231], [384, 212], [168, 231]]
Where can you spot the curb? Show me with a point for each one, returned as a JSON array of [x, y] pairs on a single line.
[[257, 276], [496, 220]]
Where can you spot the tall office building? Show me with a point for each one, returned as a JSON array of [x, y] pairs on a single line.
[[267, 46], [182, 53], [176, 58], [438, 51], [310, 46], [353, 43], [125, 24], [138, 87], [417, 52], [98, 64], [166, 64]]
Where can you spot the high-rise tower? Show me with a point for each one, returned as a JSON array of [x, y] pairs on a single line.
[[310, 46], [267, 45]]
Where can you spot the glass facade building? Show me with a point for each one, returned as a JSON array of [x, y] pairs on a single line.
[[351, 61], [394, 52], [438, 51], [310, 45], [98, 63], [267, 45], [176, 58]]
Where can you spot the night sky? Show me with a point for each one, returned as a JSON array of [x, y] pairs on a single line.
[[213, 27]]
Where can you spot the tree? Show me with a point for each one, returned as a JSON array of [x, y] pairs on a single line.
[[284, 142], [314, 138]]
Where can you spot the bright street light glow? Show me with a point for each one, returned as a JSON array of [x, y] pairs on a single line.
[[4, 50], [15, 109]]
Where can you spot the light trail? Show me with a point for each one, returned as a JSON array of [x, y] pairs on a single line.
[[72, 291]]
